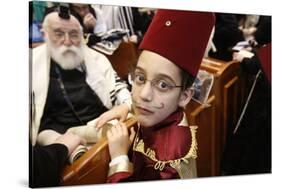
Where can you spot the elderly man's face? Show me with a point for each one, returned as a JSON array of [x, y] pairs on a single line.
[[64, 41], [64, 32]]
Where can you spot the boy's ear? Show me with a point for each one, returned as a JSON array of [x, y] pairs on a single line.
[[185, 97]]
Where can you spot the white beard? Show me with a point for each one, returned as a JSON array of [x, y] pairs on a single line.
[[67, 57]]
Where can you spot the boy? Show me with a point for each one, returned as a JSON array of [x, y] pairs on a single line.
[[164, 146]]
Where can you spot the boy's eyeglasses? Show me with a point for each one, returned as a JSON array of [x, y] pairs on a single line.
[[159, 84]]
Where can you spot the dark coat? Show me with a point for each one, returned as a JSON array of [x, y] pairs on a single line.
[[226, 35], [248, 151], [46, 164]]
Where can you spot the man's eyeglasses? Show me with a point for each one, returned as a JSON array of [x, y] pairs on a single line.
[[59, 35], [160, 84]]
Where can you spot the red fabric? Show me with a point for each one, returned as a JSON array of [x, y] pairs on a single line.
[[117, 177], [264, 54], [180, 36], [168, 140]]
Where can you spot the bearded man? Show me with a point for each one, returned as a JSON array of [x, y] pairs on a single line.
[[71, 83]]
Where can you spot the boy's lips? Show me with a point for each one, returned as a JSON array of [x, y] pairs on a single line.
[[143, 110]]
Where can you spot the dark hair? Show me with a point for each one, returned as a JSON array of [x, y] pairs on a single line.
[[187, 79], [80, 19]]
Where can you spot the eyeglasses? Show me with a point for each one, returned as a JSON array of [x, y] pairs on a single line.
[[60, 35], [160, 84]]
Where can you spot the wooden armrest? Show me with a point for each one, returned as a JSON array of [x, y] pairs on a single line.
[[92, 167]]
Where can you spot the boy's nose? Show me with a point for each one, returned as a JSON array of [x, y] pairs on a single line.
[[146, 92]]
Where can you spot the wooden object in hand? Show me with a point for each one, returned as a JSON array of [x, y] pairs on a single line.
[[92, 167]]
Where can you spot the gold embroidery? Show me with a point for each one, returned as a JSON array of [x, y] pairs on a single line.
[[138, 146], [183, 121]]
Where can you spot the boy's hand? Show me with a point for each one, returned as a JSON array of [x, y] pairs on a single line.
[[118, 112], [119, 141]]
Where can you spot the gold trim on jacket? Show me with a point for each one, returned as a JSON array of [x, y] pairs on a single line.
[[179, 164]]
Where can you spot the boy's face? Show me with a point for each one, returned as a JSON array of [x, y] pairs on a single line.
[[156, 90]]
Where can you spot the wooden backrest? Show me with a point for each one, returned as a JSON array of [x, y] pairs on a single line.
[[124, 58], [217, 120], [91, 167]]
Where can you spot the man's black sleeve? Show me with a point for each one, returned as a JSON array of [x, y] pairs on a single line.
[[45, 164]]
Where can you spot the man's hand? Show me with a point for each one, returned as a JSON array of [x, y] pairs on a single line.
[[119, 141], [118, 112], [89, 21], [239, 56], [71, 141], [133, 39], [249, 31]]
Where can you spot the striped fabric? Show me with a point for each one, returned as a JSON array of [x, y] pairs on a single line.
[[126, 19]]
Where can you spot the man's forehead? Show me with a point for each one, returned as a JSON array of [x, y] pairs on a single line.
[[64, 24], [56, 21]]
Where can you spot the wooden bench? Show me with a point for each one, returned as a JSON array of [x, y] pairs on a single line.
[[216, 122], [124, 58]]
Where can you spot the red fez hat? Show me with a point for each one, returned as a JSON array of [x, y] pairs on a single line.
[[180, 36]]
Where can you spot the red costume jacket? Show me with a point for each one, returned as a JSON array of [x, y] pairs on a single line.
[[164, 151]]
